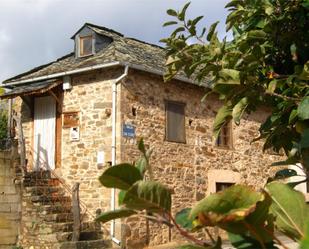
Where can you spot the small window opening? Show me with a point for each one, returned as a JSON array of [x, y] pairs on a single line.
[[225, 137], [85, 45], [220, 186], [190, 122], [133, 111], [175, 122]]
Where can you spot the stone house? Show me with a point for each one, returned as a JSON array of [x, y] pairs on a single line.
[[85, 112]]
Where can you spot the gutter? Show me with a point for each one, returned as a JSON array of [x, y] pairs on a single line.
[[91, 68], [114, 136], [55, 75]]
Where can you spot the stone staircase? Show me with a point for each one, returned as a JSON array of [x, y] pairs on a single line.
[[47, 218]]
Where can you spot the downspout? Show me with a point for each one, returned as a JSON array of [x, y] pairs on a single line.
[[114, 120]]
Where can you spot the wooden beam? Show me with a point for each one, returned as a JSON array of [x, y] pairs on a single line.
[[76, 212], [59, 106], [29, 102], [21, 142]]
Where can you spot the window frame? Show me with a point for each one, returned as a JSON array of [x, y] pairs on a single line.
[[166, 138], [215, 176], [81, 44], [229, 145]]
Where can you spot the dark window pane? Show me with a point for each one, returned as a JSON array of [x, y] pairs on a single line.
[[224, 138], [220, 186], [86, 45], [175, 122]]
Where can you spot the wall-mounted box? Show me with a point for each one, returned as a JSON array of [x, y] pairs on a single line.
[[70, 119], [74, 133]]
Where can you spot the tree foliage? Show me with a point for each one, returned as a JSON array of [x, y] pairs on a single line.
[[265, 64], [250, 217]]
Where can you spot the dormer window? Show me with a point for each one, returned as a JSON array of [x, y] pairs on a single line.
[[85, 45]]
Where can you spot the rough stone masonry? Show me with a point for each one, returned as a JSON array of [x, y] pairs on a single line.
[[191, 169]]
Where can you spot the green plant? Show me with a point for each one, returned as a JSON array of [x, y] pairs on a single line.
[[265, 64], [249, 217]]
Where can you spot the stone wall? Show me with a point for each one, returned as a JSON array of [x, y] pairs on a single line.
[[185, 167], [10, 201], [91, 97]]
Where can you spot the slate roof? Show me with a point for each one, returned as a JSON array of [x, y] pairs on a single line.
[[122, 49], [29, 89]]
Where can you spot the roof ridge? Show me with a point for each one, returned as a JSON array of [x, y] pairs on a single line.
[[98, 27], [144, 42]]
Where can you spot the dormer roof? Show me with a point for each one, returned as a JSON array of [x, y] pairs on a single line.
[[99, 30]]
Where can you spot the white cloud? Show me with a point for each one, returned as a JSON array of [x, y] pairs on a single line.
[[34, 32], [4, 37]]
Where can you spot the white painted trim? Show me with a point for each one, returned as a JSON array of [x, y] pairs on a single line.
[[55, 75], [114, 136], [99, 66]]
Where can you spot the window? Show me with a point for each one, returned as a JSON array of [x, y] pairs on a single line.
[[219, 179], [175, 122], [220, 186], [85, 45], [225, 137]]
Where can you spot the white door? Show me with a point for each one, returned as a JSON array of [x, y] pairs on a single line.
[[44, 133]]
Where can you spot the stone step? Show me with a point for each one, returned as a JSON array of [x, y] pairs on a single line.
[[31, 182], [55, 209], [44, 174], [84, 236], [49, 199], [61, 217], [40, 190], [68, 227], [92, 244]]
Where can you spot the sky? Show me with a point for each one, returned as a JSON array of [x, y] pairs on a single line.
[[35, 32]]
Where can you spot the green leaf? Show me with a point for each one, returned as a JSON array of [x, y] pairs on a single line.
[[234, 3], [293, 116], [239, 110], [304, 141], [303, 109], [285, 173], [141, 165], [256, 34], [141, 146], [171, 12], [196, 20], [272, 86], [149, 195], [304, 244], [289, 208], [228, 207], [222, 116], [211, 31], [229, 76], [121, 176], [269, 10], [169, 23], [121, 195], [182, 14], [115, 214], [176, 31], [246, 242], [182, 218], [289, 161]]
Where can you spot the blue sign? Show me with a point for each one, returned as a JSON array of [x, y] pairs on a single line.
[[128, 131]]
